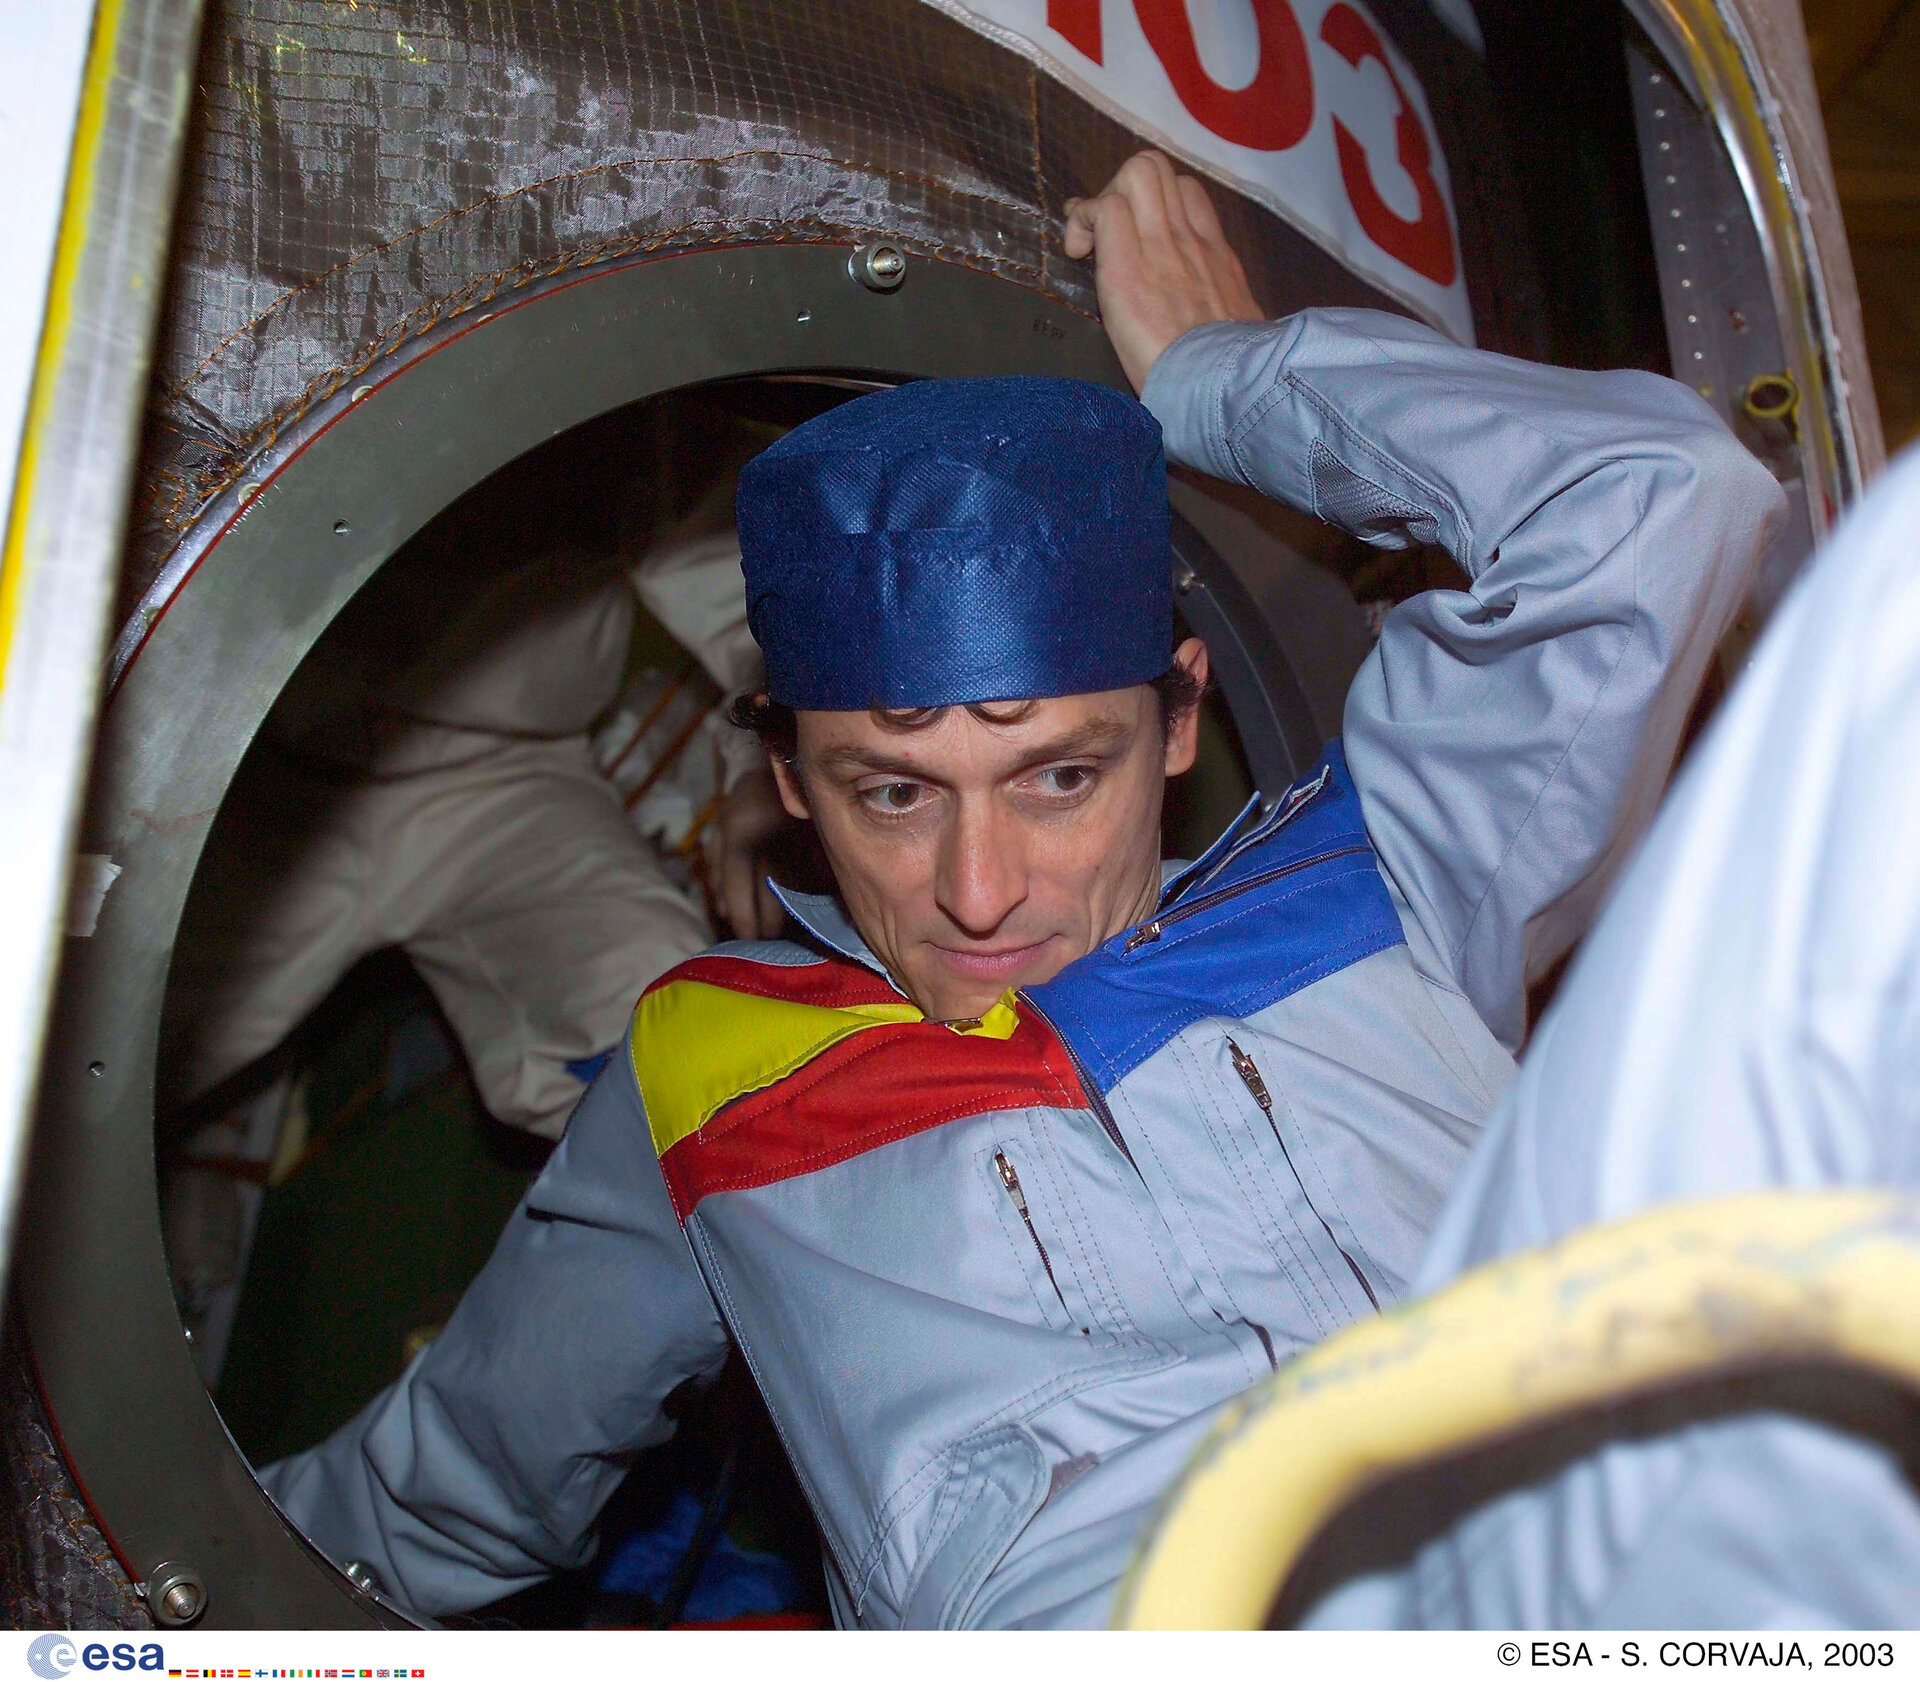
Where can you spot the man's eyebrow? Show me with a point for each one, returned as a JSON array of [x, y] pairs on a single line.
[[1095, 736]]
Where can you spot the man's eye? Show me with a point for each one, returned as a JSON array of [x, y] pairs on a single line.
[[894, 798], [1061, 780]]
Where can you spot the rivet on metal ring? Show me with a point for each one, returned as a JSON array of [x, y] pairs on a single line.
[[879, 267], [175, 1594]]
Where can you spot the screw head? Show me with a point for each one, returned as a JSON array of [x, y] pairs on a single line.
[[879, 267], [175, 1594]]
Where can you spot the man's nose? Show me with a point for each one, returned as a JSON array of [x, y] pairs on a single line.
[[982, 875]]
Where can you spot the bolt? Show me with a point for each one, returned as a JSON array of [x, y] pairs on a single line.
[[96, 1069], [341, 528], [879, 267], [361, 1575], [176, 1594], [361, 391]]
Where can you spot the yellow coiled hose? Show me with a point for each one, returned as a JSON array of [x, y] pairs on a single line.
[[1737, 1283]]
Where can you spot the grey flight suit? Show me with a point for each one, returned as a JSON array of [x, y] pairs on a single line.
[[1746, 1014], [995, 1283]]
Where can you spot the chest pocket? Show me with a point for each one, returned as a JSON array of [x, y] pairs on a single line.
[[1058, 1190], [995, 1483]]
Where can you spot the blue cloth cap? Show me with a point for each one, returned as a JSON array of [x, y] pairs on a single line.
[[960, 540]]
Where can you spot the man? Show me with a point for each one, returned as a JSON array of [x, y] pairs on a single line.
[[1032, 1151]]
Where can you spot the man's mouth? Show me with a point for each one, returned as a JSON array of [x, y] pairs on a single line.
[[998, 965]]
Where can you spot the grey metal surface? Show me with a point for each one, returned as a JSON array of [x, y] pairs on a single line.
[[68, 506], [1709, 45], [1723, 324], [359, 175], [1269, 706], [223, 637]]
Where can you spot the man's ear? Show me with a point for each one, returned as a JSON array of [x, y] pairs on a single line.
[[793, 793], [1183, 732]]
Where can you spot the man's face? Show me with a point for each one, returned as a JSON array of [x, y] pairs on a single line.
[[977, 854]]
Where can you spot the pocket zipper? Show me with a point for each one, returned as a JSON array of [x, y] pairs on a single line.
[[1010, 1178], [1150, 931], [1250, 1077]]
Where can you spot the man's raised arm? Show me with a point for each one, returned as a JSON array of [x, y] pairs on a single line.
[[1509, 741], [481, 1471]]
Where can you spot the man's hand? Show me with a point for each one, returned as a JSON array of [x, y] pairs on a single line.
[[1161, 263], [743, 830]]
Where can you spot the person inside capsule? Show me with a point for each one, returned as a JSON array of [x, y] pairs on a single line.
[[1030, 1150]]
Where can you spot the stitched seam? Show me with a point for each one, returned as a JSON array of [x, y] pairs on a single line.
[[1153, 1244], [1259, 901], [607, 167], [1147, 1034], [1329, 963], [1215, 417], [962, 1595], [718, 1283], [949, 1506], [1286, 1227], [1021, 1245], [1061, 1384], [766, 992], [860, 1144], [1332, 1202], [1322, 462], [1257, 411], [1379, 457], [804, 1079], [1275, 1228], [1085, 1234], [1200, 1243], [907, 1495], [1599, 695]]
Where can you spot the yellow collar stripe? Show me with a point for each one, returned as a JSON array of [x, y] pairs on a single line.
[[697, 1047]]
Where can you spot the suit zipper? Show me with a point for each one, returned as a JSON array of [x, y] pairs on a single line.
[[1250, 1077], [1010, 1178], [1150, 931], [1104, 1115]]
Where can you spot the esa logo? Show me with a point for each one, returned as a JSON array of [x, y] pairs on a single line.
[[53, 1656]]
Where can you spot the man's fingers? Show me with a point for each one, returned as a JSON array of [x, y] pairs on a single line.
[[1078, 237], [1200, 214], [1103, 228], [1173, 188], [1144, 182]]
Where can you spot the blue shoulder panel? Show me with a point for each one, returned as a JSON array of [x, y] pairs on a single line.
[[1276, 905]]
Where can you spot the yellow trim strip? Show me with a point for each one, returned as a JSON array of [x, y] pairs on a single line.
[[1737, 1283], [69, 251], [697, 1047]]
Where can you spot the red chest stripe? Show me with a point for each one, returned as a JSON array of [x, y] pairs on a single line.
[[833, 985], [885, 1083]]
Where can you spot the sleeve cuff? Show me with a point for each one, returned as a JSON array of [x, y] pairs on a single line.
[[1186, 389]]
